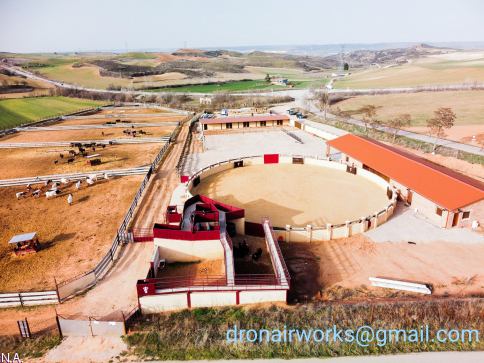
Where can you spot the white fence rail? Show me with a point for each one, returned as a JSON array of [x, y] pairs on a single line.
[[96, 126], [28, 298], [400, 285], [74, 176], [123, 115], [134, 140]]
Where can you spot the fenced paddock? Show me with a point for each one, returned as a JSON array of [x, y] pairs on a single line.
[[100, 126], [32, 162], [73, 238], [138, 140]]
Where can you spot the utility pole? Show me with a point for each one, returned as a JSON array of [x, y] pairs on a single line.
[[185, 42]]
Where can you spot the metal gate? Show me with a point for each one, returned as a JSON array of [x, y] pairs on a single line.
[[136, 235], [297, 160]]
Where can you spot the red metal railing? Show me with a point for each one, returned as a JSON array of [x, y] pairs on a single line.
[[229, 240], [212, 283]]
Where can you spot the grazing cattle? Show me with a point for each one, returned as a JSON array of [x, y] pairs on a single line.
[[61, 156], [84, 154], [55, 162], [93, 149], [20, 194], [69, 199], [92, 177], [36, 193], [257, 254], [48, 182], [52, 193], [106, 176], [73, 152], [71, 160], [245, 248], [89, 181], [103, 146], [99, 145], [111, 142], [81, 149], [78, 185], [28, 187], [64, 181]]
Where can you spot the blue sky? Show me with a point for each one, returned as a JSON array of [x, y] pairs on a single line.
[[53, 25]]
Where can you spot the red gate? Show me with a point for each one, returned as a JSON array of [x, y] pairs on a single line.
[[271, 158], [136, 235], [254, 229]]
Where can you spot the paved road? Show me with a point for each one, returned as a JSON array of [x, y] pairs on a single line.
[[439, 357]]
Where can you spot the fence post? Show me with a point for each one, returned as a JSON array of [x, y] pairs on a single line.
[[20, 298], [111, 252], [57, 290]]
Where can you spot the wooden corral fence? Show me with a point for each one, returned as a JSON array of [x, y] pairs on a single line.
[[122, 115], [28, 298], [135, 140], [74, 176], [81, 282]]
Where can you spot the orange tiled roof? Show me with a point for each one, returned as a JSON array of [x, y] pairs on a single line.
[[444, 187]]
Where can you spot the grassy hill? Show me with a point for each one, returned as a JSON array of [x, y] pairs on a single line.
[[16, 112]]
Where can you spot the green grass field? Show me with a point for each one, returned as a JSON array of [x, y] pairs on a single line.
[[240, 86], [16, 112]]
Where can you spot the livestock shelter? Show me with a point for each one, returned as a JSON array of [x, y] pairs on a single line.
[[25, 243], [446, 197], [227, 123]]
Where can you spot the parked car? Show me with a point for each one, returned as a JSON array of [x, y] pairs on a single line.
[[290, 112], [300, 115]]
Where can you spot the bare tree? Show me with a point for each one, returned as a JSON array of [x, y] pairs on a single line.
[[398, 123], [369, 115], [321, 97], [305, 102], [443, 119]]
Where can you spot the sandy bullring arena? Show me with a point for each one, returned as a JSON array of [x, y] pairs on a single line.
[[297, 195]]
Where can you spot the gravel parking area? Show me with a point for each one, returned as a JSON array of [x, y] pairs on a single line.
[[406, 225], [223, 147]]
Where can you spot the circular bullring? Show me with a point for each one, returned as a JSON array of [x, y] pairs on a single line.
[[315, 193]]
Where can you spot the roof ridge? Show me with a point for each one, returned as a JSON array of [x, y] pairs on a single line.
[[450, 176]]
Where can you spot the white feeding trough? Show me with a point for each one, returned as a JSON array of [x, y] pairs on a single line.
[[400, 285]]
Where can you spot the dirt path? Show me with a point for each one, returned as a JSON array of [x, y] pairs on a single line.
[[116, 291]]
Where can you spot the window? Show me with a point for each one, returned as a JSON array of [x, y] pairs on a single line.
[[262, 123], [228, 125], [205, 126], [347, 158], [246, 124], [439, 211], [279, 122], [466, 215]]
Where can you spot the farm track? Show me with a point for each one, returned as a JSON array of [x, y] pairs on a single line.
[[164, 181]]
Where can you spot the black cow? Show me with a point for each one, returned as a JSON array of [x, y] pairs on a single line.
[[61, 156], [55, 162], [257, 254], [70, 160]]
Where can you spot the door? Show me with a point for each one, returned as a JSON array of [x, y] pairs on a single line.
[[409, 198], [455, 221]]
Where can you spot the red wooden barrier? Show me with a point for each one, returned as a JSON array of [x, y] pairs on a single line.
[[271, 158]]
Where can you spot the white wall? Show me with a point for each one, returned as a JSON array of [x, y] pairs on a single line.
[[251, 297], [165, 302], [185, 251], [215, 298]]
